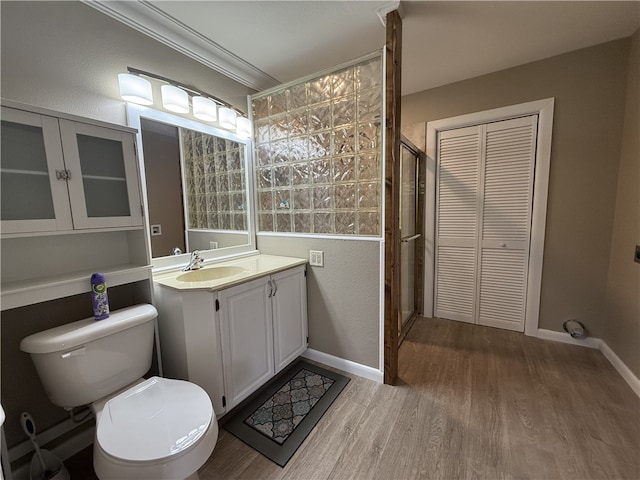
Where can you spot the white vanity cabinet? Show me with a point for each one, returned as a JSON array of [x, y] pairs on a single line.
[[289, 304], [246, 322], [60, 174], [190, 345], [264, 328], [232, 340]]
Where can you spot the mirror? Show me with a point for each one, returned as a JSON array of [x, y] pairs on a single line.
[[195, 181]]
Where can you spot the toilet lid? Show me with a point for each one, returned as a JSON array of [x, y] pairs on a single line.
[[155, 419]]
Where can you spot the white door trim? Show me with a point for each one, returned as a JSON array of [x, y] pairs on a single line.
[[544, 110]]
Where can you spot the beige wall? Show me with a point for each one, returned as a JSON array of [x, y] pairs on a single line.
[[589, 87], [343, 297], [66, 56], [622, 323]]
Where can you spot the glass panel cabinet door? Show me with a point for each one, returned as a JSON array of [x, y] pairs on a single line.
[[103, 187], [33, 199]]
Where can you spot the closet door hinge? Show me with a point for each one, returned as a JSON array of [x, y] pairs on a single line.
[[305, 272], [224, 401], [217, 307]]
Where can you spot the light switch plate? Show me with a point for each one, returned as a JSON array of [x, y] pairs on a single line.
[[316, 258]]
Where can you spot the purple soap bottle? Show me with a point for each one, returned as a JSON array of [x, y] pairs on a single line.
[[99, 296]]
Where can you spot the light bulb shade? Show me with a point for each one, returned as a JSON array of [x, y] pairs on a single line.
[[243, 126], [227, 118], [174, 99], [135, 89], [205, 109]]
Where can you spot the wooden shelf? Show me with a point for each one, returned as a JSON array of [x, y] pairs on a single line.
[[28, 292]]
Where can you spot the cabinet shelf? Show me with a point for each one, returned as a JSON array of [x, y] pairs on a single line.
[[27, 292]]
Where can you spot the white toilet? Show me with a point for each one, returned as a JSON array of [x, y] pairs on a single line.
[[145, 429]]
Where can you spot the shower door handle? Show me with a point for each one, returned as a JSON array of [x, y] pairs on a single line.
[[413, 237]]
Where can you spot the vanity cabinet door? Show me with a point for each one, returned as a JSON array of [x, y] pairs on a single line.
[[247, 341], [289, 301], [103, 183], [33, 198]]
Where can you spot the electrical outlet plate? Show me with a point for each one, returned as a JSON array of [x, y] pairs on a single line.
[[316, 258]]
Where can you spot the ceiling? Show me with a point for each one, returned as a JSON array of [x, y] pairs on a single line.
[[264, 43]]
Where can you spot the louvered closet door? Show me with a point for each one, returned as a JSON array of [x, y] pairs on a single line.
[[459, 154], [506, 222], [483, 222]]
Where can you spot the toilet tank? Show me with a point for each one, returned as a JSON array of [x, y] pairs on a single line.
[[81, 362]]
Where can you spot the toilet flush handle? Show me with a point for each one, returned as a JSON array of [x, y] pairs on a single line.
[[74, 353]]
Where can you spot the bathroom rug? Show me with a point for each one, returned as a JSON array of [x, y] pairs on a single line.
[[276, 419]]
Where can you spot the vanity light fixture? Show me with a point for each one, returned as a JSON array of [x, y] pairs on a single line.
[[243, 127], [174, 99], [227, 118], [135, 89], [204, 109]]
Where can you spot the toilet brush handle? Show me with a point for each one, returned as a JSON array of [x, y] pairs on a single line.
[[27, 425], [29, 428]]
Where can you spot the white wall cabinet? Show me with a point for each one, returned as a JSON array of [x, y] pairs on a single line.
[[60, 175], [70, 206], [233, 341]]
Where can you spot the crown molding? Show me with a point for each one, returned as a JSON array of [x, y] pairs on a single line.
[[153, 22]]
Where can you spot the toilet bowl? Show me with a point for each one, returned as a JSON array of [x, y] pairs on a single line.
[[154, 428], [159, 428]]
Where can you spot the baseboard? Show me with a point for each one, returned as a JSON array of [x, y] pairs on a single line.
[[345, 365], [623, 370], [564, 337], [591, 342]]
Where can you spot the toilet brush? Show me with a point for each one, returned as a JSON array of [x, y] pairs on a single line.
[[30, 429]]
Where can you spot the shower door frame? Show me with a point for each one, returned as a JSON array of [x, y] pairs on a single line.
[[419, 254]]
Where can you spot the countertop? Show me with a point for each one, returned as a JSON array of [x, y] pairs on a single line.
[[255, 266]]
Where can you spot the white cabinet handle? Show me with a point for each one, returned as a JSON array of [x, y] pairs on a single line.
[[270, 289], [503, 244]]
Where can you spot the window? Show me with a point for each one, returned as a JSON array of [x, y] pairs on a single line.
[[319, 153]]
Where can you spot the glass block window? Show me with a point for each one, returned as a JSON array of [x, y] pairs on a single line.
[[214, 179], [319, 153]]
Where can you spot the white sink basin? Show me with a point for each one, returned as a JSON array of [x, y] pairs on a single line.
[[210, 273]]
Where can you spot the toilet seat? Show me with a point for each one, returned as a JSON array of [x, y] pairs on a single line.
[[154, 420]]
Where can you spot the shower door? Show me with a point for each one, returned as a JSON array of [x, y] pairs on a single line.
[[409, 234]]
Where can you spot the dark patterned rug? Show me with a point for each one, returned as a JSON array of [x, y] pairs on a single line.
[[276, 420]]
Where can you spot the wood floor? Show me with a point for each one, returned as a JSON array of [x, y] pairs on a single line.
[[472, 402]]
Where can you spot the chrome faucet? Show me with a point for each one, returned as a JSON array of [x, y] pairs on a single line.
[[195, 262]]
